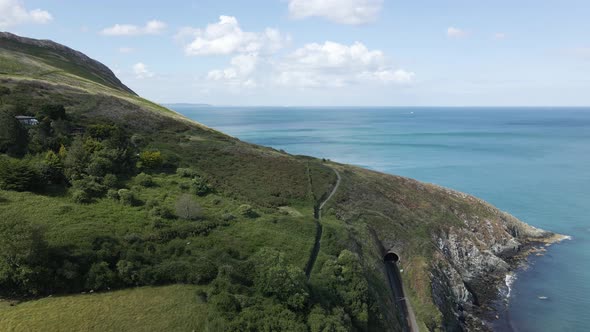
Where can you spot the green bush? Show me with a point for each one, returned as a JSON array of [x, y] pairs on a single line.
[[151, 159], [110, 181], [186, 172], [23, 257], [100, 276], [225, 304], [319, 320], [113, 194], [145, 180], [200, 186], [227, 217], [247, 211], [275, 277], [127, 197], [87, 188], [81, 197], [51, 169], [53, 112], [13, 136], [18, 175], [162, 212]]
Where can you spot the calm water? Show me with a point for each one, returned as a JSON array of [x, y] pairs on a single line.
[[531, 162]]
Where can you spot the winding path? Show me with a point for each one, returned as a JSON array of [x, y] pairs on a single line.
[[317, 213]]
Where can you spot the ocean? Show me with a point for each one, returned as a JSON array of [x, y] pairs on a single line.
[[531, 162]]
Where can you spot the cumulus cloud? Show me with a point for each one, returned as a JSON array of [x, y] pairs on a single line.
[[335, 65], [141, 71], [153, 27], [14, 12], [239, 73], [227, 37], [339, 11], [453, 32]]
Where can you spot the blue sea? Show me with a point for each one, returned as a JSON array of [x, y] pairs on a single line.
[[532, 162]]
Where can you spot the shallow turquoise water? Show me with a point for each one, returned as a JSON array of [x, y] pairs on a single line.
[[531, 162]]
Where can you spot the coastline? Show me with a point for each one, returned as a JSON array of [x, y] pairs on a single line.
[[499, 316]]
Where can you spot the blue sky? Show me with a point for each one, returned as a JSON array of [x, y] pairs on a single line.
[[328, 52]]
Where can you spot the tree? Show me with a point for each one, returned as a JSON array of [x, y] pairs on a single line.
[[275, 277], [151, 159], [23, 255], [52, 168], [100, 276], [17, 175], [187, 208], [54, 112], [13, 136], [321, 321]]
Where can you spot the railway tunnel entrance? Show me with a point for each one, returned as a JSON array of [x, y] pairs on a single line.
[[391, 256]]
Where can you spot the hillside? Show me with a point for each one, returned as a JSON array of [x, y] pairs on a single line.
[[110, 192]]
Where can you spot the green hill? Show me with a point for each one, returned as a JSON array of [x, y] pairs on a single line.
[[114, 196]]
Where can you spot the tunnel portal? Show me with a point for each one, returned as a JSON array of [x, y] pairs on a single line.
[[391, 256]]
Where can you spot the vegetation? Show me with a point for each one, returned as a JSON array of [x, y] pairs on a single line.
[[110, 192]]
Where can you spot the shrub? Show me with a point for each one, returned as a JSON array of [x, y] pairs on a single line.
[[187, 208], [51, 168], [247, 211], [99, 276], [227, 217], [23, 257], [86, 189], [127, 197], [17, 175], [225, 303], [186, 172], [13, 136], [145, 180], [54, 112], [162, 212], [150, 159], [110, 181], [200, 186], [275, 277], [113, 194], [81, 196]]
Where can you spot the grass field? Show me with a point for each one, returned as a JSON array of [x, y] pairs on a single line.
[[167, 308]]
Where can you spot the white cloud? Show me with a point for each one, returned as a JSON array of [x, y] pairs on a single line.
[[499, 36], [13, 12], [239, 73], [226, 37], [153, 27], [126, 50], [141, 71], [453, 32], [339, 11], [335, 65]]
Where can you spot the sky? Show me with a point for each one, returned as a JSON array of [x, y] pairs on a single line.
[[328, 52]]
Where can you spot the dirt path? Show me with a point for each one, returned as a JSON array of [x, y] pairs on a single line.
[[319, 229]]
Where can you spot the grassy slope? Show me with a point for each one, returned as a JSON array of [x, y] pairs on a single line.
[[168, 308], [370, 209]]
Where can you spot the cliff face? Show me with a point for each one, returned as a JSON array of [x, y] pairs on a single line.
[[455, 249]]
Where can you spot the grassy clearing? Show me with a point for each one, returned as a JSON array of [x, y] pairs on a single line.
[[168, 308]]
